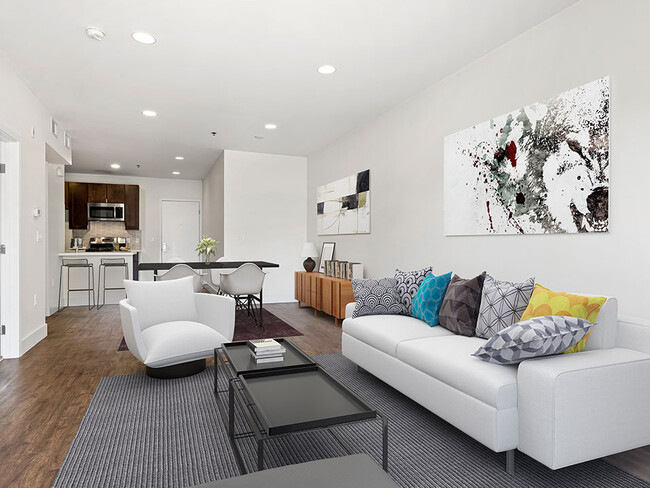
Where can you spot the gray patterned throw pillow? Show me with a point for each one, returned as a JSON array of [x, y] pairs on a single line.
[[376, 297], [408, 283], [539, 336], [459, 310], [502, 304]]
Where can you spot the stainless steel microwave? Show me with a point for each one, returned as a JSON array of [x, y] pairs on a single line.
[[106, 212]]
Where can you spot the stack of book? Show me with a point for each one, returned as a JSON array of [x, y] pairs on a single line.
[[266, 350]]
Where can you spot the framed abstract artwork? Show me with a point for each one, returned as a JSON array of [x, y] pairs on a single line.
[[343, 206], [540, 169]]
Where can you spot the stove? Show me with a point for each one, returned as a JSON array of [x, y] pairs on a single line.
[[106, 244]]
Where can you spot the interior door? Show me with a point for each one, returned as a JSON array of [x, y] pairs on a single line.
[[180, 231]]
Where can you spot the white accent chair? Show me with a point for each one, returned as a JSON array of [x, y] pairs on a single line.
[[171, 329], [246, 281], [181, 271]]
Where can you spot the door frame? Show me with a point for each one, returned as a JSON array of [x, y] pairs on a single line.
[[10, 233], [160, 213]]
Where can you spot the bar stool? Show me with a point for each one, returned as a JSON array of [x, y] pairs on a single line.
[[109, 263], [78, 263]]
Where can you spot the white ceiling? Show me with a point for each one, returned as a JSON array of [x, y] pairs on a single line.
[[232, 66]]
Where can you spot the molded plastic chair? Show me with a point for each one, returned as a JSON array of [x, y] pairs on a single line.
[[171, 329], [243, 284], [214, 276], [182, 271]]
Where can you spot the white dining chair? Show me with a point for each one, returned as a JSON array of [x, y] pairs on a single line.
[[214, 276], [245, 286], [181, 271]]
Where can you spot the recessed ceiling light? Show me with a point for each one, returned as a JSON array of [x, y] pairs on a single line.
[[95, 33], [179, 158], [326, 69], [270, 126], [143, 37], [115, 166], [176, 172], [149, 113]]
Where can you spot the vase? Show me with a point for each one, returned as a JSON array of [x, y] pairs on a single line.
[[207, 258]]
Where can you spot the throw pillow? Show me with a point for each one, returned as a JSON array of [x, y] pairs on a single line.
[[428, 299], [539, 336], [548, 302], [376, 297], [460, 306], [502, 304], [408, 283]]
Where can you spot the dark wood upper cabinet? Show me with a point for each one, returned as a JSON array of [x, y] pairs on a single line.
[[115, 194], [132, 207], [96, 193], [78, 205], [66, 194]]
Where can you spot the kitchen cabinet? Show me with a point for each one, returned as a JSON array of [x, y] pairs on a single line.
[[66, 194], [132, 207], [115, 194], [101, 193], [78, 205]]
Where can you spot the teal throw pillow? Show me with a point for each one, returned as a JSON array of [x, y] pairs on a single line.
[[428, 299]]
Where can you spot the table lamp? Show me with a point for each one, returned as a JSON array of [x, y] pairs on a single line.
[[309, 251]]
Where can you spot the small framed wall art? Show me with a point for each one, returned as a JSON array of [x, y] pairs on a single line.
[[326, 254]]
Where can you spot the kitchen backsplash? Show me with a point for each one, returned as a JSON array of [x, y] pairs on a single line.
[[104, 229]]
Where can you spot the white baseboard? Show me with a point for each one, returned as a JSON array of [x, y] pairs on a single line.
[[32, 339]]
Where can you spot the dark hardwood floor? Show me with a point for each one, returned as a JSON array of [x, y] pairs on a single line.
[[44, 394]]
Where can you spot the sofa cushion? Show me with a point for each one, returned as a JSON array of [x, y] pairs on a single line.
[[449, 360], [502, 304], [548, 302], [178, 342], [536, 337], [376, 297], [428, 299], [408, 283], [460, 307], [162, 301], [385, 332]]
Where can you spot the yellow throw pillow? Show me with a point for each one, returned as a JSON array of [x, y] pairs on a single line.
[[548, 302]]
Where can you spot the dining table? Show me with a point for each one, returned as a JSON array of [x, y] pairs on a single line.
[[155, 267]]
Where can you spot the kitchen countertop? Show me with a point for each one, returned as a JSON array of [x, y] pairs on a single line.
[[73, 254]]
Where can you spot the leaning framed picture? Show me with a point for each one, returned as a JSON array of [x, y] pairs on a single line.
[[326, 254]]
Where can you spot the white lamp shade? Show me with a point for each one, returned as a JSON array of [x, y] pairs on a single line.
[[309, 250]]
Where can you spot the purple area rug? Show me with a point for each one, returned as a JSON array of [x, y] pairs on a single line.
[[245, 328]]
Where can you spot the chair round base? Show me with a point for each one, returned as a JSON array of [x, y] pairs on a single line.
[[177, 370]]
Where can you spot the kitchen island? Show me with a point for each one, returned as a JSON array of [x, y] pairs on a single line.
[[79, 276]]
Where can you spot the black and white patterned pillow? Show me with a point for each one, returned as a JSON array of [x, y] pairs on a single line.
[[539, 336], [502, 304], [376, 297], [408, 283]]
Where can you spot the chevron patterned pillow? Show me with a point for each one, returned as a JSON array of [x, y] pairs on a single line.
[[502, 304], [539, 336]]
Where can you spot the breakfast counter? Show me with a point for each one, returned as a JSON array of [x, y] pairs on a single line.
[[79, 276]]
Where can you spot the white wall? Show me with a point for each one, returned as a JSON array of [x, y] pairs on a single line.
[[213, 203], [404, 150], [20, 112], [265, 214], [55, 232], [152, 191]]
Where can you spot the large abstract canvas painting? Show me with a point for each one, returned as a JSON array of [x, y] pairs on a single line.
[[540, 169], [343, 206]]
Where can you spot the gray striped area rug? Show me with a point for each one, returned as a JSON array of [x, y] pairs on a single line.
[[143, 432]]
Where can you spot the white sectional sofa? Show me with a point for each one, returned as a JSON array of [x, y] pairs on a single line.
[[560, 410]]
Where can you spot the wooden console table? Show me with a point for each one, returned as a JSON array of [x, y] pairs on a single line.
[[323, 293]]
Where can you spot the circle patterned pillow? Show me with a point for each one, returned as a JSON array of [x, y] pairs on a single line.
[[408, 283], [376, 297]]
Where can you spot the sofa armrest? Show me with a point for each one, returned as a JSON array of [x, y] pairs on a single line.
[[217, 312], [578, 407], [132, 330], [349, 308]]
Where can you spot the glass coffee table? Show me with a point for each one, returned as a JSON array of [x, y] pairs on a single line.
[[286, 398]]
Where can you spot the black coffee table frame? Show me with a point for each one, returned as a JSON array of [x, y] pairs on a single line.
[[239, 394]]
